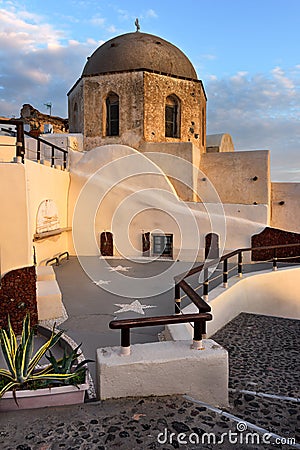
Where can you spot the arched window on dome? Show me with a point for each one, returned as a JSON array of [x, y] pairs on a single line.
[[112, 114], [172, 116]]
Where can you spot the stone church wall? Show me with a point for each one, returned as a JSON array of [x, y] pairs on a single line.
[[129, 87], [142, 99], [193, 106], [76, 108]]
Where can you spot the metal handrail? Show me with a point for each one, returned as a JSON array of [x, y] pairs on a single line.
[[52, 146], [126, 324], [63, 254], [20, 143], [180, 280], [55, 258], [213, 262], [199, 319]]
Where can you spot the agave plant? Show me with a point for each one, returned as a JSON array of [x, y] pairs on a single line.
[[22, 364], [67, 364]]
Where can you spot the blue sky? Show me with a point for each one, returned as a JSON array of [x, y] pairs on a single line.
[[246, 53]]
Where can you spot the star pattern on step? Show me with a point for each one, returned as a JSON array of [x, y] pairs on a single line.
[[101, 282], [119, 269], [135, 306]]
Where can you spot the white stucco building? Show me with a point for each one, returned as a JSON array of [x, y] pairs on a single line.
[[157, 185]]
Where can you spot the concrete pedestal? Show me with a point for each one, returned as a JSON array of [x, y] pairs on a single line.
[[165, 368]]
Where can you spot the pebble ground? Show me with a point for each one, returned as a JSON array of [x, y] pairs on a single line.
[[264, 359]]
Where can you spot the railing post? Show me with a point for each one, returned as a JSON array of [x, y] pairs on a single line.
[[240, 265], [20, 150], [203, 329], [177, 299], [225, 273], [125, 341], [275, 260], [52, 156], [205, 285], [65, 160], [38, 151], [197, 338]]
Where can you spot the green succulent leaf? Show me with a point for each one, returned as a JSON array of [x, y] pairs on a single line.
[[8, 387], [26, 329], [7, 352], [12, 338], [40, 353], [27, 353], [5, 373]]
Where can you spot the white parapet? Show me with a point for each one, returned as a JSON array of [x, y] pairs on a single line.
[[165, 368], [44, 273], [49, 300]]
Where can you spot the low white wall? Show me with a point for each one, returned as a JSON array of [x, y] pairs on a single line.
[[165, 368], [232, 175], [269, 293], [44, 183], [15, 242], [7, 148]]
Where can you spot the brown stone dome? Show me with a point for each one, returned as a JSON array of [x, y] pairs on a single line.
[[136, 51]]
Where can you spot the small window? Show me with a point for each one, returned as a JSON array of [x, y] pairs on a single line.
[[112, 115], [172, 117], [162, 245]]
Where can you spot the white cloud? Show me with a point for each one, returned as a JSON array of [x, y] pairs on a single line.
[[123, 14], [111, 29], [208, 56], [260, 112], [279, 75], [37, 62], [151, 14], [98, 21]]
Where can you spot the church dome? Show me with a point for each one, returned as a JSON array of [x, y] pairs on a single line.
[[136, 51]]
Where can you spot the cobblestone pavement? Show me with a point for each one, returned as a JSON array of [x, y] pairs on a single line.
[[264, 359]]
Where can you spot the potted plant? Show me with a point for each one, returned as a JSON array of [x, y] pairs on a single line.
[[26, 385]]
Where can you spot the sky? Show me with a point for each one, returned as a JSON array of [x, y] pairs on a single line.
[[245, 52]]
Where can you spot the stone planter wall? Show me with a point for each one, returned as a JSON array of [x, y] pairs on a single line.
[[274, 236], [18, 297]]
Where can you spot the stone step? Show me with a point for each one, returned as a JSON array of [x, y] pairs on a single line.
[[45, 273], [49, 300]]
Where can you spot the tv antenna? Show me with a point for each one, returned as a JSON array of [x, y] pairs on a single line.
[[48, 106]]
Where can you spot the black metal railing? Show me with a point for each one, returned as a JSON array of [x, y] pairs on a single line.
[[52, 260], [57, 258], [199, 319], [126, 324], [43, 149], [63, 255], [55, 153]]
